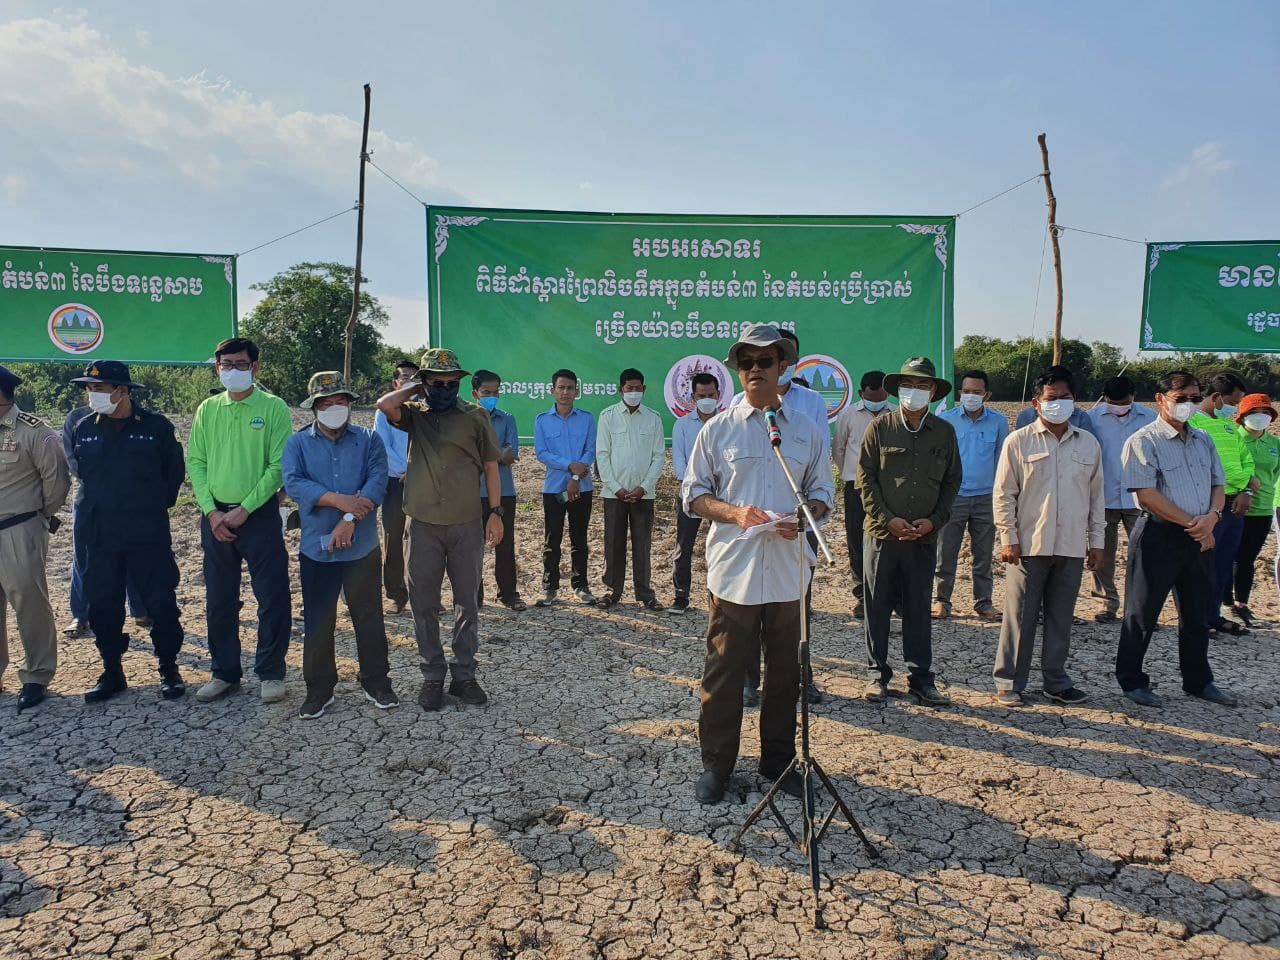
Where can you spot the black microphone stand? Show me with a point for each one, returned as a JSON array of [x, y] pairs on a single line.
[[804, 763]]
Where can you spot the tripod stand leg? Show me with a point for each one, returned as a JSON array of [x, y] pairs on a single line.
[[760, 808], [872, 852], [811, 841]]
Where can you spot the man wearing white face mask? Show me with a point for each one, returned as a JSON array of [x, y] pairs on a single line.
[[706, 400], [630, 450], [337, 474], [851, 427]]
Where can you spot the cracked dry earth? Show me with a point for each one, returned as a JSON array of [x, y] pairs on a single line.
[[560, 822]]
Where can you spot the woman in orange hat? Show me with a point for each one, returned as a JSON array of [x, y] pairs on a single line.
[[1254, 416]]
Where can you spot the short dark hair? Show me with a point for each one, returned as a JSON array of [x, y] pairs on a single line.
[[1176, 380], [702, 378], [1055, 374], [631, 373], [237, 345], [565, 373], [974, 375], [872, 380], [790, 335], [481, 377], [1117, 388], [407, 364], [1226, 382]]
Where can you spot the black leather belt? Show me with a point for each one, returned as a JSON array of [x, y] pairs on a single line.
[[18, 518], [224, 507]]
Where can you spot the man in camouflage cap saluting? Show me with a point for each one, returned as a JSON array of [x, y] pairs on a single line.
[[34, 482], [451, 443]]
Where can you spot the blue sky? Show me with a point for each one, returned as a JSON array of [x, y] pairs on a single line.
[[214, 127]]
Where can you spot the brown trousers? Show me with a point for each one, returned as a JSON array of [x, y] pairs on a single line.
[[734, 635]]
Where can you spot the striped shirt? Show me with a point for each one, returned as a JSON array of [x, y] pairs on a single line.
[[1183, 469]]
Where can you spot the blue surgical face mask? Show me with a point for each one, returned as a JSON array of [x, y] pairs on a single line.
[[875, 406], [489, 403], [1227, 411]]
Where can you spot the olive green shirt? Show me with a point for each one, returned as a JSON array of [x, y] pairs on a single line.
[[447, 454], [914, 476]]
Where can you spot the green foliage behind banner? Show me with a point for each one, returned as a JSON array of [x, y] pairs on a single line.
[[1216, 296], [524, 293], [77, 305]]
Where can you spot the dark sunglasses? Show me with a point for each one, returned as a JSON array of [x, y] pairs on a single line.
[[1196, 400], [756, 363], [442, 384]]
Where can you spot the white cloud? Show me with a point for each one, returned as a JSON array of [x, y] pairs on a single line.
[[67, 88], [12, 187], [586, 185], [1205, 163]]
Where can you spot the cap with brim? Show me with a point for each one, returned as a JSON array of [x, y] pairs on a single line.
[[1254, 403], [918, 368], [327, 383], [761, 335], [440, 360], [108, 371]]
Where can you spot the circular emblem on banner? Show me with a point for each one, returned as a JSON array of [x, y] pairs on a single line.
[[75, 328], [678, 389], [828, 376]]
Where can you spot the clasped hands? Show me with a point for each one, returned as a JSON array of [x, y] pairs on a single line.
[[1200, 529], [907, 530]]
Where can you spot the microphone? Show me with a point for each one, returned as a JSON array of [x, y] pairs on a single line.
[[775, 437]]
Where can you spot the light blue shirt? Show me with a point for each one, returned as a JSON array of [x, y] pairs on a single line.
[[313, 465], [1079, 419], [504, 425], [396, 443], [1112, 433], [980, 442], [559, 441], [683, 434]]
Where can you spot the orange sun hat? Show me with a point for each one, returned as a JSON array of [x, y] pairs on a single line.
[[1254, 403]]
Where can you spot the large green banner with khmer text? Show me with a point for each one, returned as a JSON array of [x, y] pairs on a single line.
[[78, 305], [1220, 296], [524, 293]]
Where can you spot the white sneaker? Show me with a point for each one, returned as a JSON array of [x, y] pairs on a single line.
[[215, 689], [272, 691]]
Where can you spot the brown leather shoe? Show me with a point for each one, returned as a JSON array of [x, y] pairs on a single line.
[[940, 611]]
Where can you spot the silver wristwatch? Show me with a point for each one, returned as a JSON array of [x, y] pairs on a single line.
[[349, 517]]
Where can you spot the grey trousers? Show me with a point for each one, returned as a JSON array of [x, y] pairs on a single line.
[[1104, 578], [977, 515], [1051, 583], [434, 550]]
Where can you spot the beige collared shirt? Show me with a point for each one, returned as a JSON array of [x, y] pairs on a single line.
[[630, 450], [1049, 495], [33, 468], [851, 427]]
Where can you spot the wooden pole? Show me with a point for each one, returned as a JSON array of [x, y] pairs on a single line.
[[355, 295], [1057, 253]]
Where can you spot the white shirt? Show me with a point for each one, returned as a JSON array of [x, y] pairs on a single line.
[[630, 448], [851, 427], [732, 461], [683, 434], [805, 401]]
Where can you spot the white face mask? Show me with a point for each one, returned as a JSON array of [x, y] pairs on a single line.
[[102, 403], [334, 417], [1182, 412], [1119, 409], [633, 398], [708, 405], [236, 381], [1258, 422], [874, 406], [913, 398], [971, 401], [1057, 411]]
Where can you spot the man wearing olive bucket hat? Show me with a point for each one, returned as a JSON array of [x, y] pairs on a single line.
[[908, 475]]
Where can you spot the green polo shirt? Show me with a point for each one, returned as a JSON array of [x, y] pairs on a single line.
[[1265, 451], [1237, 462], [234, 452], [915, 476]]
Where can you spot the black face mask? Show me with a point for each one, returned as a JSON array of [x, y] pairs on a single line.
[[443, 398]]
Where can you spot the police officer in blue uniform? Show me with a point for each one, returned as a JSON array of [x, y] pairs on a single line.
[[131, 467]]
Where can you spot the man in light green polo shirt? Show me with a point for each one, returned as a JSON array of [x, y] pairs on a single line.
[[233, 458]]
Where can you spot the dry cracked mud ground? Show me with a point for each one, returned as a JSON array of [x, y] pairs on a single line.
[[559, 821]]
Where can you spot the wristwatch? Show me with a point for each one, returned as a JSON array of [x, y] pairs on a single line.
[[498, 511], [578, 476], [349, 517]]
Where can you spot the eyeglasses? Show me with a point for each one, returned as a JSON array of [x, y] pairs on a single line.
[[756, 363], [1197, 400], [241, 365]]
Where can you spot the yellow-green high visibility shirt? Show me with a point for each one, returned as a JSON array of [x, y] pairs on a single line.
[[1237, 461], [1266, 467], [234, 452]]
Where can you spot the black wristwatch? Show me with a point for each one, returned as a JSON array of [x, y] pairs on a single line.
[[498, 511]]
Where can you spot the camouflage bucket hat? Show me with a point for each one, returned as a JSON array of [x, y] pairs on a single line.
[[440, 360], [326, 383]]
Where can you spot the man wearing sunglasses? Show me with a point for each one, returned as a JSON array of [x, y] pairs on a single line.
[[1175, 474], [451, 443]]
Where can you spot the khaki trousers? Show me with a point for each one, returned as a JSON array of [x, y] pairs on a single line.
[[23, 552]]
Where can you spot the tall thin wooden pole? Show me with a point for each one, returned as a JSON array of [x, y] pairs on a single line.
[[355, 296], [1057, 253]]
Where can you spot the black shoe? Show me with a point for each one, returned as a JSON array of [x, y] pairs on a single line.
[[1143, 696], [926, 694], [431, 696], [604, 603], [815, 695], [468, 691], [172, 686], [1213, 693], [31, 695], [710, 788], [380, 694], [315, 705], [679, 606], [792, 784], [1070, 696], [750, 696], [144, 623], [652, 604], [109, 684]]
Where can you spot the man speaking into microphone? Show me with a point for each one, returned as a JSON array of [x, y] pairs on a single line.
[[734, 480]]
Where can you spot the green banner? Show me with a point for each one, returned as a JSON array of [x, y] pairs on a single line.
[[1219, 296], [524, 293], [164, 308]]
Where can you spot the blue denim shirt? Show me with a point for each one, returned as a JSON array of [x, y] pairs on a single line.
[[314, 465], [980, 442], [1112, 433], [559, 441], [396, 443], [504, 425]]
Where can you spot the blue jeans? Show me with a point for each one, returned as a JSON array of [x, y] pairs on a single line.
[[1226, 544], [79, 560]]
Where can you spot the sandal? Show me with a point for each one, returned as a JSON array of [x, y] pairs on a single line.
[[518, 605], [604, 603]]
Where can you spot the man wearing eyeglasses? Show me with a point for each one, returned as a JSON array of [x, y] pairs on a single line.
[[234, 461]]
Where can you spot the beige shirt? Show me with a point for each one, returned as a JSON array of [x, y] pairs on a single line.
[[33, 468], [1049, 496], [630, 450], [851, 427]]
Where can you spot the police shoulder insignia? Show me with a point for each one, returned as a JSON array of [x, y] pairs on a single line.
[[30, 419]]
